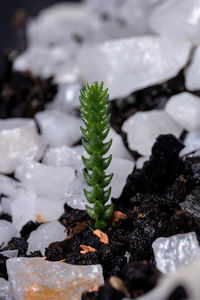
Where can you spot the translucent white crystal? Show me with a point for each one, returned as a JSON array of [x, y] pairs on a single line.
[[44, 61], [17, 145], [8, 186], [121, 168], [143, 61], [140, 162], [48, 209], [191, 142], [192, 72], [22, 208], [13, 123], [75, 196], [10, 254], [5, 293], [59, 128], [44, 180], [117, 148], [67, 97], [144, 127], [45, 234], [63, 156], [175, 251], [7, 232], [55, 280], [61, 19], [177, 19], [184, 109]]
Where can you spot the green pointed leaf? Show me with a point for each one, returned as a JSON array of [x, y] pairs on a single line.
[[88, 178], [87, 163], [108, 213], [105, 133], [106, 162], [89, 196], [106, 195], [101, 225], [97, 191], [91, 213], [99, 208], [85, 133], [106, 147], [87, 147], [106, 181]]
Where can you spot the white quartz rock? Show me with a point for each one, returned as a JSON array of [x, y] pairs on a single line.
[[18, 145], [5, 293], [7, 232], [184, 109], [10, 254], [43, 61], [13, 123], [59, 128], [44, 180], [140, 162], [45, 234], [55, 280], [121, 168], [192, 72], [117, 148], [191, 142], [8, 186], [75, 196], [143, 128], [176, 251], [143, 61], [63, 156], [177, 19], [67, 97], [22, 208]]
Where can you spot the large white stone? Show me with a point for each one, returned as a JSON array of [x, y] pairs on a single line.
[[59, 128], [67, 97], [121, 168], [8, 186], [176, 251], [13, 123], [75, 196], [5, 293], [33, 278], [44, 180], [63, 156], [144, 127], [177, 19], [192, 72], [45, 234], [46, 61], [117, 148], [142, 61], [191, 142], [18, 145], [7, 232], [184, 109]]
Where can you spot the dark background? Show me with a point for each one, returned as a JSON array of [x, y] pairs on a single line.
[[7, 10]]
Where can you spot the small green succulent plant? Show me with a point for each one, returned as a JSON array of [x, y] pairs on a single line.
[[94, 114]]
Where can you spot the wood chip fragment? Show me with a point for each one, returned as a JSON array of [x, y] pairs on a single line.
[[44, 257], [63, 260], [102, 236], [118, 215], [141, 215], [86, 249], [94, 289]]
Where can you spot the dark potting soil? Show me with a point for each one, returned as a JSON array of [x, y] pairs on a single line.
[[21, 93], [152, 210]]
